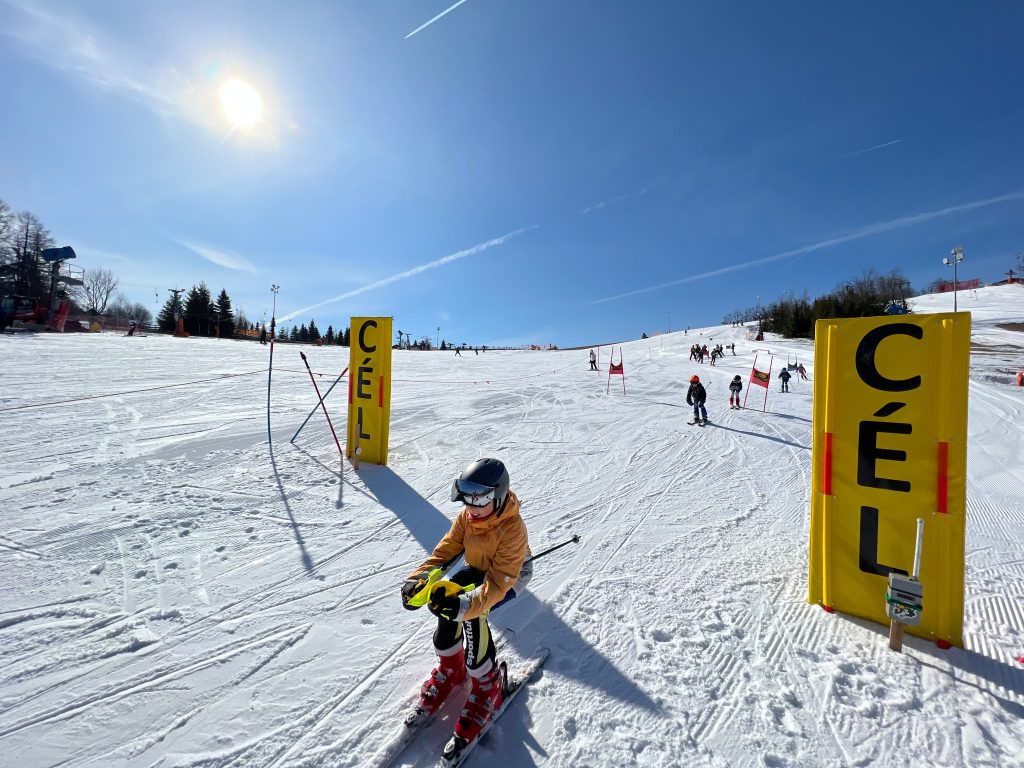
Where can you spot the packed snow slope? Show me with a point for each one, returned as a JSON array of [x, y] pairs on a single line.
[[177, 593]]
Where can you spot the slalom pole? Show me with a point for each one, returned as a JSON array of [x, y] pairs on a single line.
[[771, 361], [270, 371], [748, 383], [318, 404], [311, 378]]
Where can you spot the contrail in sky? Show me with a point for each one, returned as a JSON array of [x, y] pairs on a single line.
[[445, 12], [857, 234], [478, 248], [872, 149]]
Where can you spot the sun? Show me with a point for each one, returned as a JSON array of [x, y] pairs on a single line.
[[242, 106]]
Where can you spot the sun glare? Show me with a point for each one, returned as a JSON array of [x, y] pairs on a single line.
[[242, 105]]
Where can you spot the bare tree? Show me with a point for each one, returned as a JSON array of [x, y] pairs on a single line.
[[97, 288]]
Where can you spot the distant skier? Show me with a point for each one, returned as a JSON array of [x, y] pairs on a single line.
[[735, 387], [593, 361], [492, 534], [263, 335], [457, 353], [695, 396], [784, 377], [802, 371], [131, 328]]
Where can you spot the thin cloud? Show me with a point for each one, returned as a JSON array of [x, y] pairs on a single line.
[[222, 257], [605, 203], [857, 234], [872, 149], [473, 251], [445, 12]]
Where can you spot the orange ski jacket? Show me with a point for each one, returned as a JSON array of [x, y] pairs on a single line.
[[496, 545]]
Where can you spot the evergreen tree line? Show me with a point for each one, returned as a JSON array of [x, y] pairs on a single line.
[[864, 296], [203, 315], [310, 334]]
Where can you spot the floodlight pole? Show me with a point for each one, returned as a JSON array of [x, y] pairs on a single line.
[[955, 257]]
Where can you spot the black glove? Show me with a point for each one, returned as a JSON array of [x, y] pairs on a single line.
[[409, 589], [445, 607]]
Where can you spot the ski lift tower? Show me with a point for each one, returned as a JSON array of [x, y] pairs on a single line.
[[56, 257]]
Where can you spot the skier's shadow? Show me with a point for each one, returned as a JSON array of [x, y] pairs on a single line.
[[428, 525]]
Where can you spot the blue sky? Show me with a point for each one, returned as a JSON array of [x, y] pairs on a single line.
[[571, 172]]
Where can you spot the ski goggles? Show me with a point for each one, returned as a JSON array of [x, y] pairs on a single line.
[[472, 494]]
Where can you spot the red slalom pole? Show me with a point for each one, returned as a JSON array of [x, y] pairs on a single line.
[[322, 405]]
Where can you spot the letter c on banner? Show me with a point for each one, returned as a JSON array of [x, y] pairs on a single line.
[[362, 332], [866, 357]]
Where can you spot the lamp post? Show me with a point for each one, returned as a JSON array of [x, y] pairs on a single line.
[[438, 344], [955, 257], [670, 321]]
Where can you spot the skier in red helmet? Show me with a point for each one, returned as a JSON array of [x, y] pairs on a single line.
[[695, 396]]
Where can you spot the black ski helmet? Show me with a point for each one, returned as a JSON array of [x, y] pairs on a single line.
[[736, 377], [480, 476]]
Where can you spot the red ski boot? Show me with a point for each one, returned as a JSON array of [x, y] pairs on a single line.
[[484, 700], [444, 678]]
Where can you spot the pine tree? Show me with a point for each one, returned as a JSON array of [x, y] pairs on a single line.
[[345, 337], [295, 336], [303, 333], [329, 336], [225, 316], [314, 332], [198, 311]]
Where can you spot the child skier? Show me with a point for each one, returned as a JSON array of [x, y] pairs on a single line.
[[593, 361], [695, 396], [735, 387], [784, 377], [491, 533]]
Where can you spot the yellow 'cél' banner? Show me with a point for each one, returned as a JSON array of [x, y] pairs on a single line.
[[369, 389], [890, 446]]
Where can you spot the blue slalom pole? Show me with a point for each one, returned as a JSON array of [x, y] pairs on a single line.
[[318, 404], [270, 372]]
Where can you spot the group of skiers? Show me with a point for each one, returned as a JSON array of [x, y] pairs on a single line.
[[699, 352]]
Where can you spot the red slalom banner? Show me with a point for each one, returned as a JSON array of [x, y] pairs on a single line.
[[615, 369], [761, 379]]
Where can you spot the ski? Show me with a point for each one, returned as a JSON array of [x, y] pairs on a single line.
[[414, 723], [457, 749]]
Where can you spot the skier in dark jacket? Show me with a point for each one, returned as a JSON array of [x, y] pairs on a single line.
[[784, 377], [695, 396], [735, 387]]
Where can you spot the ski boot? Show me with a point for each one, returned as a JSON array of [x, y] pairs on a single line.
[[444, 678], [485, 699]]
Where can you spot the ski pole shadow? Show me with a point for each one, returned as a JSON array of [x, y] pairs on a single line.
[[307, 561], [759, 434]]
